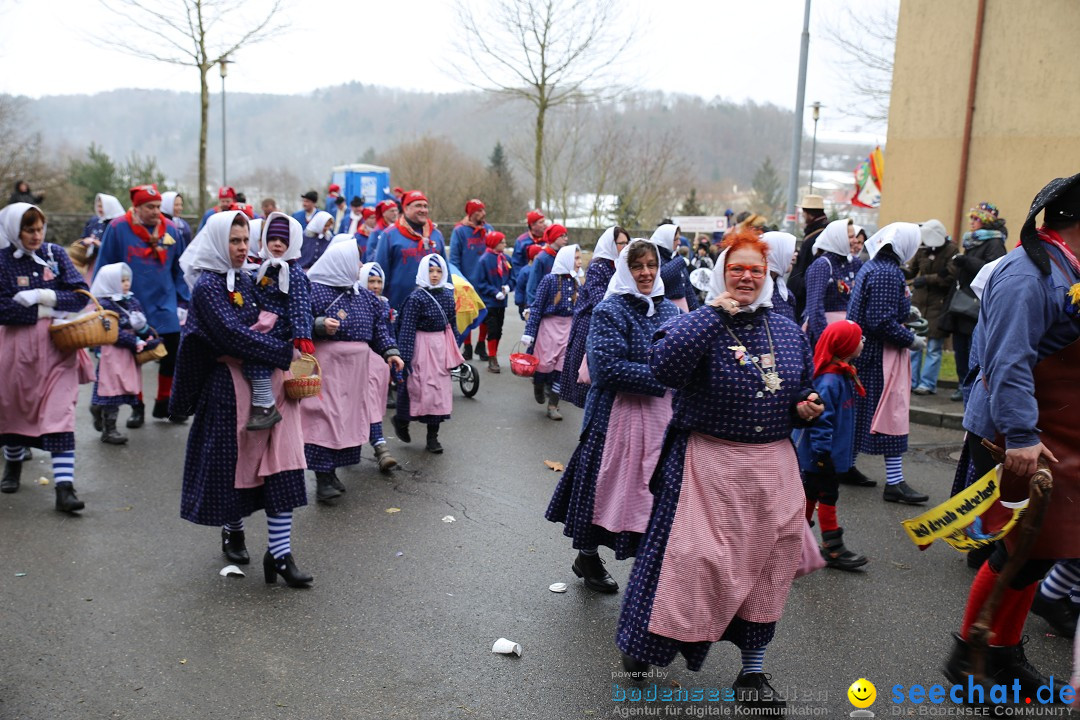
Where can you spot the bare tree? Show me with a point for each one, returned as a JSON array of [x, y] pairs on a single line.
[[548, 53], [437, 167], [865, 43], [195, 33]]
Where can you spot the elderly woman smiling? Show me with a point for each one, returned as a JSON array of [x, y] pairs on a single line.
[[724, 540]]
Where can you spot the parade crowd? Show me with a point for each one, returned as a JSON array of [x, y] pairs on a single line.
[[731, 385]]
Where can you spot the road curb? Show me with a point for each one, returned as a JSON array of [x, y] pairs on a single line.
[[936, 418]]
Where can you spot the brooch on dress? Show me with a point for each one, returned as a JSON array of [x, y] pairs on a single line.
[[843, 287], [237, 299], [1074, 297], [265, 280], [168, 240], [740, 353]]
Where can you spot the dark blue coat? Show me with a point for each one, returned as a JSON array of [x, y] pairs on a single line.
[[520, 258], [362, 316], [489, 280], [541, 266], [293, 308], [597, 278], [399, 256], [566, 286], [823, 292], [833, 433], [25, 274], [467, 247], [676, 277]]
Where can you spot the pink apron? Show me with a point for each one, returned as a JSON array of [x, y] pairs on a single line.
[[86, 368], [736, 541], [434, 355], [635, 433], [339, 417], [551, 340], [681, 304], [378, 386], [830, 317], [118, 373], [892, 414], [41, 386], [265, 452]]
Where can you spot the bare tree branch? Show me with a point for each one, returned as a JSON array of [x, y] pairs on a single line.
[[865, 44]]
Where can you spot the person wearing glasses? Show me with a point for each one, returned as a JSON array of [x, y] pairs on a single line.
[[575, 385], [726, 534], [603, 497]]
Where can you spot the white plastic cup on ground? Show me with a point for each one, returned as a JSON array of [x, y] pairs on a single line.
[[503, 646]]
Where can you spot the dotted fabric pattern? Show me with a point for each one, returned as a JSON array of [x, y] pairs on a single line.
[[545, 305], [823, 292], [597, 277], [126, 339], [293, 308], [420, 314], [676, 277], [780, 306], [321, 459], [618, 361], [879, 304]]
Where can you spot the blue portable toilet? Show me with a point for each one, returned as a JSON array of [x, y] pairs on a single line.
[[371, 182]]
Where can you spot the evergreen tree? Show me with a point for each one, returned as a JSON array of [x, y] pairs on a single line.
[[690, 205], [768, 191], [96, 174], [626, 215]]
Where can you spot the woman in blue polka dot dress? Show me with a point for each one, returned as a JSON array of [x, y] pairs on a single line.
[[727, 531]]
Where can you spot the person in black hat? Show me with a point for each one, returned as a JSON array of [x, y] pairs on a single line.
[[310, 200], [1024, 400], [350, 223]]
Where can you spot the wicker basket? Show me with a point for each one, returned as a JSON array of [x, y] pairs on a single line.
[[158, 352], [98, 327], [306, 381]]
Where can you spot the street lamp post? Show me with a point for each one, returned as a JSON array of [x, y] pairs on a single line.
[[813, 145], [223, 67]]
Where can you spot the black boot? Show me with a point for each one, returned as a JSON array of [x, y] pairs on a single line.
[[836, 555], [109, 434], [138, 416], [636, 668], [285, 566], [95, 412], [466, 351], [1059, 613], [538, 393], [481, 351], [324, 487], [433, 445], [590, 568], [958, 665], [12, 475], [262, 418], [752, 690], [234, 546], [1004, 664], [161, 409], [66, 501], [855, 477], [401, 429]]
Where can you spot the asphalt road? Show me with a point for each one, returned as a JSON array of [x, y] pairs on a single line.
[[121, 613]]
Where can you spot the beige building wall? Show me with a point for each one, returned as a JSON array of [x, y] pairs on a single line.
[[1026, 124]]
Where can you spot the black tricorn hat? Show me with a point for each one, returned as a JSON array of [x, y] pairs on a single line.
[[1060, 199]]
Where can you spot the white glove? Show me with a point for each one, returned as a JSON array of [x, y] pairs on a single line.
[[506, 289], [44, 311], [181, 315], [47, 297], [918, 344], [500, 295], [26, 298], [527, 340], [140, 346], [138, 320]]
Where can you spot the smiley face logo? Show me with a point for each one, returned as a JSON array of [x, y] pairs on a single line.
[[862, 693]]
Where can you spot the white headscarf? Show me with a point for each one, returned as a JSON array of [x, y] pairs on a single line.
[[369, 269], [834, 239], [718, 286], [292, 252], [903, 236], [342, 237], [933, 234], [255, 243], [422, 278], [983, 277], [622, 282], [167, 202], [108, 281], [317, 223], [664, 236], [564, 261], [10, 224], [111, 208], [209, 251], [781, 249], [605, 246], [338, 267]]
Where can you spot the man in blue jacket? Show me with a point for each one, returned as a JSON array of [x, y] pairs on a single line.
[[226, 200], [537, 224], [466, 248], [145, 240], [309, 200], [403, 244], [555, 237]]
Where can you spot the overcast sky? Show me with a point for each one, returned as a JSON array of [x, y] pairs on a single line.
[[734, 49]]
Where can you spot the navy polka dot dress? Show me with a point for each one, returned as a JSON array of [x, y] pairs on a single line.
[[592, 292]]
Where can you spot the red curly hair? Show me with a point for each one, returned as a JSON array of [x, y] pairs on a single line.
[[748, 239]]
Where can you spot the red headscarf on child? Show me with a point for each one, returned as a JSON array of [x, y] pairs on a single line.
[[839, 341]]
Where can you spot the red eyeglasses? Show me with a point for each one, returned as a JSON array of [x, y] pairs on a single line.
[[756, 271]]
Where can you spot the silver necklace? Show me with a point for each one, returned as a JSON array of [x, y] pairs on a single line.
[[769, 376]]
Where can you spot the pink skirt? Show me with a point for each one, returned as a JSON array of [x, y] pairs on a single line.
[[378, 386], [339, 417], [40, 385], [634, 438], [430, 391], [551, 342], [736, 540], [118, 373], [892, 416], [681, 304]]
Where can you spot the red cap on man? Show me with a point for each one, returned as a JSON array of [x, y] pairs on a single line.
[[142, 194], [367, 212], [534, 216], [413, 196], [553, 233], [383, 207], [226, 192], [472, 206], [335, 188]]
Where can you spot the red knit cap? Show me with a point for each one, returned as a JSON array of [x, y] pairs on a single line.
[[142, 194], [472, 206], [411, 197], [226, 192], [553, 233], [493, 238], [534, 216], [335, 188], [533, 250], [383, 207], [367, 212]]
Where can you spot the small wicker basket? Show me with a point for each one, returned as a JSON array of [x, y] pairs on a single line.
[[306, 381], [98, 327], [155, 353]]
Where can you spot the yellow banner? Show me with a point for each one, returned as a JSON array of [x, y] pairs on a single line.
[[951, 520]]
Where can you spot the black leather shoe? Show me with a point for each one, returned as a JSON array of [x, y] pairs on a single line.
[[336, 482], [1006, 664], [1059, 613], [634, 667], [481, 351], [752, 690], [161, 409], [539, 395], [433, 445], [95, 412], [66, 501], [12, 476], [466, 351], [285, 566], [957, 666], [590, 568], [324, 487], [855, 477], [262, 418], [138, 416], [234, 546], [836, 554], [401, 429], [901, 492]]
